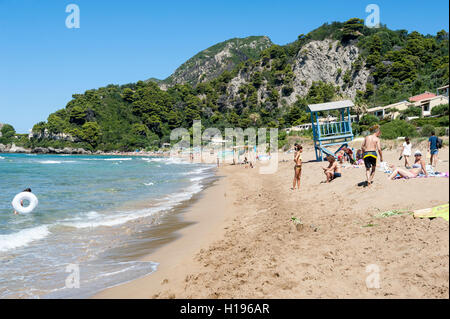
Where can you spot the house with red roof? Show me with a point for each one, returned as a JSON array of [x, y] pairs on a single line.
[[420, 97], [427, 101]]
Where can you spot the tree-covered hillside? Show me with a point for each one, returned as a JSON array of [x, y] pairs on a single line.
[[224, 56], [388, 66]]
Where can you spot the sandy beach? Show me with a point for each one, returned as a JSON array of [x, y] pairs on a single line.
[[242, 242]]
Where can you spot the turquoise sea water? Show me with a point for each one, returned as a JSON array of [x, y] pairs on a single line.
[[90, 207]]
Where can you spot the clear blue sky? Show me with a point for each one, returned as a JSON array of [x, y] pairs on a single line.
[[42, 63]]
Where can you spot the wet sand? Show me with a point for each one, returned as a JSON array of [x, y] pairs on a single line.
[[241, 242]]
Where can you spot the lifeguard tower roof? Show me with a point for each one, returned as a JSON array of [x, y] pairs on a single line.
[[330, 106]]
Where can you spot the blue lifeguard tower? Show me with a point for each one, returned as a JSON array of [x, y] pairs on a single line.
[[330, 133]]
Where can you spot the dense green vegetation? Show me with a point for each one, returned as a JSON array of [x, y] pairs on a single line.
[[8, 133], [141, 115], [239, 50]]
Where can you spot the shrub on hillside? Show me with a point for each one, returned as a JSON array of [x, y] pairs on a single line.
[[427, 130], [440, 110], [441, 131], [368, 120], [397, 128], [411, 111], [356, 129], [434, 121]]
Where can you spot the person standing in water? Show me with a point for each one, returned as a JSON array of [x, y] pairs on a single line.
[[370, 147], [298, 165], [21, 202]]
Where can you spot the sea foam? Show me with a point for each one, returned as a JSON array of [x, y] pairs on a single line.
[[119, 218], [23, 237], [50, 162]]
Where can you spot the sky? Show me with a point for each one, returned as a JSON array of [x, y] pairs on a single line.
[[42, 62]]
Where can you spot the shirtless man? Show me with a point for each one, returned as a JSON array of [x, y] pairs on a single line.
[[370, 147], [333, 170]]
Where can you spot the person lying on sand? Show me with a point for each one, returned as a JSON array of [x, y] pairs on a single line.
[[417, 168], [298, 165], [370, 146], [333, 170]]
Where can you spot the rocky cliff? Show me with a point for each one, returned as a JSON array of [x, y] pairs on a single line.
[[327, 61]]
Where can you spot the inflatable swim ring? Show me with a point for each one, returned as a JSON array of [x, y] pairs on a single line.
[[16, 203]]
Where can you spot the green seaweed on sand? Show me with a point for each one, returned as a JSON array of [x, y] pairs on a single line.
[[369, 225], [296, 220], [390, 213]]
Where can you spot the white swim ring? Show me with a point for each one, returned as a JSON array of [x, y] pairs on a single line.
[[16, 203]]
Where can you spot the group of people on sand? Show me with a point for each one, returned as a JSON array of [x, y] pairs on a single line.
[[332, 171], [368, 154], [419, 165]]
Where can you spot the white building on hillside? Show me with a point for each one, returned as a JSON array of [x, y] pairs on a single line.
[[426, 101], [427, 104], [390, 111]]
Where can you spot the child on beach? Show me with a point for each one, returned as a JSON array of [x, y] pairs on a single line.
[[359, 154], [21, 202], [298, 165], [340, 156], [406, 151], [333, 170]]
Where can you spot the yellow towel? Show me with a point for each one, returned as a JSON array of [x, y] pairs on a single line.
[[438, 211]]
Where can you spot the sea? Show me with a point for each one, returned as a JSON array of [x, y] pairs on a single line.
[[97, 217]]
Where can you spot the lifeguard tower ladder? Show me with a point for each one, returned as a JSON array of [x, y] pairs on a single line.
[[330, 133]]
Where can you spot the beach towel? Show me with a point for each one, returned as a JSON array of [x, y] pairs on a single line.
[[438, 211], [385, 168], [263, 157], [434, 174]]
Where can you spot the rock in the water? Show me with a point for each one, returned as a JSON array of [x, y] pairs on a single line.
[[40, 150]]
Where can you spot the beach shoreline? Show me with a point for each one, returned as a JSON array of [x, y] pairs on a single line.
[[176, 255], [115, 211], [243, 244]]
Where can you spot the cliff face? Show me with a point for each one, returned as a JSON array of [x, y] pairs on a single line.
[[210, 63], [327, 61]]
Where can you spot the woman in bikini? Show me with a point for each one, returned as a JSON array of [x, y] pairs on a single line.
[[298, 165], [417, 168]]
